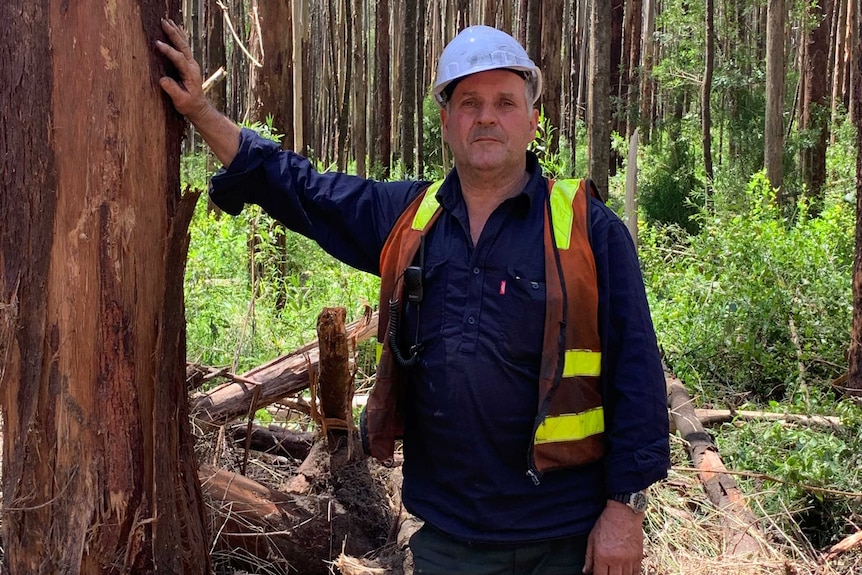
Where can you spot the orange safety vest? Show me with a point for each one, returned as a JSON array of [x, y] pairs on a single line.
[[570, 419]]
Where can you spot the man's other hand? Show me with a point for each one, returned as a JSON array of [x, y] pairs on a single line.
[[616, 543]]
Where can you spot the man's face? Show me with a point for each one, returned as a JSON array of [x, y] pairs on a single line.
[[488, 122]]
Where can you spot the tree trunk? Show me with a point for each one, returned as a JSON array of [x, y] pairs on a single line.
[[408, 88], [214, 60], [646, 81], [551, 64], [421, 87], [854, 379], [99, 472], [382, 126], [838, 41], [272, 97], [617, 71], [598, 96], [299, 52], [272, 94], [634, 32], [854, 20], [238, 65], [815, 103], [335, 382], [533, 44], [360, 85], [773, 148], [706, 96]]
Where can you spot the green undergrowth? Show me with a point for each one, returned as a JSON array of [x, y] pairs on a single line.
[[242, 315], [753, 312]]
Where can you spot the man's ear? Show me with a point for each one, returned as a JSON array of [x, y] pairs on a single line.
[[443, 120], [534, 118]]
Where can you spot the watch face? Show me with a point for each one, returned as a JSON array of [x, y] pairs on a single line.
[[638, 502]]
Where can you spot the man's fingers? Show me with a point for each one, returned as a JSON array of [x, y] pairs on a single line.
[[177, 37], [170, 86], [588, 558], [184, 65]]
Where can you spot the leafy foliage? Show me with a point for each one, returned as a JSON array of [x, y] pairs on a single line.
[[742, 304], [670, 192]]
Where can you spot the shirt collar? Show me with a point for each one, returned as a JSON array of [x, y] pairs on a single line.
[[449, 194]]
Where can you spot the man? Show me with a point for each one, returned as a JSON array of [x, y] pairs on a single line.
[[519, 358]]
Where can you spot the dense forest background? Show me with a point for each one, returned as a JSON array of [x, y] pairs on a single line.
[[729, 123], [726, 133]]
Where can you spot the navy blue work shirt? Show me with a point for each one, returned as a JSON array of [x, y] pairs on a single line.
[[472, 397]]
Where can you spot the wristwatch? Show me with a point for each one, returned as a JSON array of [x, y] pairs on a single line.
[[636, 501]]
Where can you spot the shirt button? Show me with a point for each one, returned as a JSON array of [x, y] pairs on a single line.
[[534, 285], [476, 271], [471, 320]]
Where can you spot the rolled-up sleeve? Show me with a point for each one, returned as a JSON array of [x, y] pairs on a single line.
[[348, 216], [633, 379]]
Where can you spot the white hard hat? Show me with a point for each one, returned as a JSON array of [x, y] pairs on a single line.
[[480, 48]]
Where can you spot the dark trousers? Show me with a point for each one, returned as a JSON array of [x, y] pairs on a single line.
[[435, 553]]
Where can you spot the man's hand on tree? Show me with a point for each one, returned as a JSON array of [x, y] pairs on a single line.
[[187, 94]]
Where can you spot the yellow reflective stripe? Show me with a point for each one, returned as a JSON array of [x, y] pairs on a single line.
[[571, 426], [379, 351], [582, 362], [428, 206], [562, 196]]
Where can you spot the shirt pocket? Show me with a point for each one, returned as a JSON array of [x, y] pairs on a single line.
[[523, 317]]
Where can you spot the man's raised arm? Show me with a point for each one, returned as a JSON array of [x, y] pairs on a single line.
[[219, 132]]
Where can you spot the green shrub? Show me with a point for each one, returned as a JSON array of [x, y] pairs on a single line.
[[742, 304], [669, 191]]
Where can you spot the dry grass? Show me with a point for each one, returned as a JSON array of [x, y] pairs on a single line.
[[684, 536]]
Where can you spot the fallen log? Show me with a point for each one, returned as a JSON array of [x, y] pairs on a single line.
[[274, 440], [276, 379], [739, 524], [843, 546], [710, 417], [292, 533]]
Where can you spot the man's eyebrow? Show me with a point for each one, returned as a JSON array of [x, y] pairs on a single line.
[[497, 95]]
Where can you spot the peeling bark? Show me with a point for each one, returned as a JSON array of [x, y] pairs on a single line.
[[99, 470]]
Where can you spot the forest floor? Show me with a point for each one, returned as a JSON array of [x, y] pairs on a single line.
[[685, 534]]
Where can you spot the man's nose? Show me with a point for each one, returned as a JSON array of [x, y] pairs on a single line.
[[486, 115]]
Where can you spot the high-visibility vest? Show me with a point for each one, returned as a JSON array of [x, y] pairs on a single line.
[[570, 423]]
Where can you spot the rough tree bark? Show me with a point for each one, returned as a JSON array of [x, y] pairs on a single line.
[[552, 14], [272, 90], [598, 96], [360, 87], [381, 125], [408, 88], [773, 140], [336, 395], [815, 102], [854, 379], [706, 95], [646, 81], [634, 31], [99, 474]]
